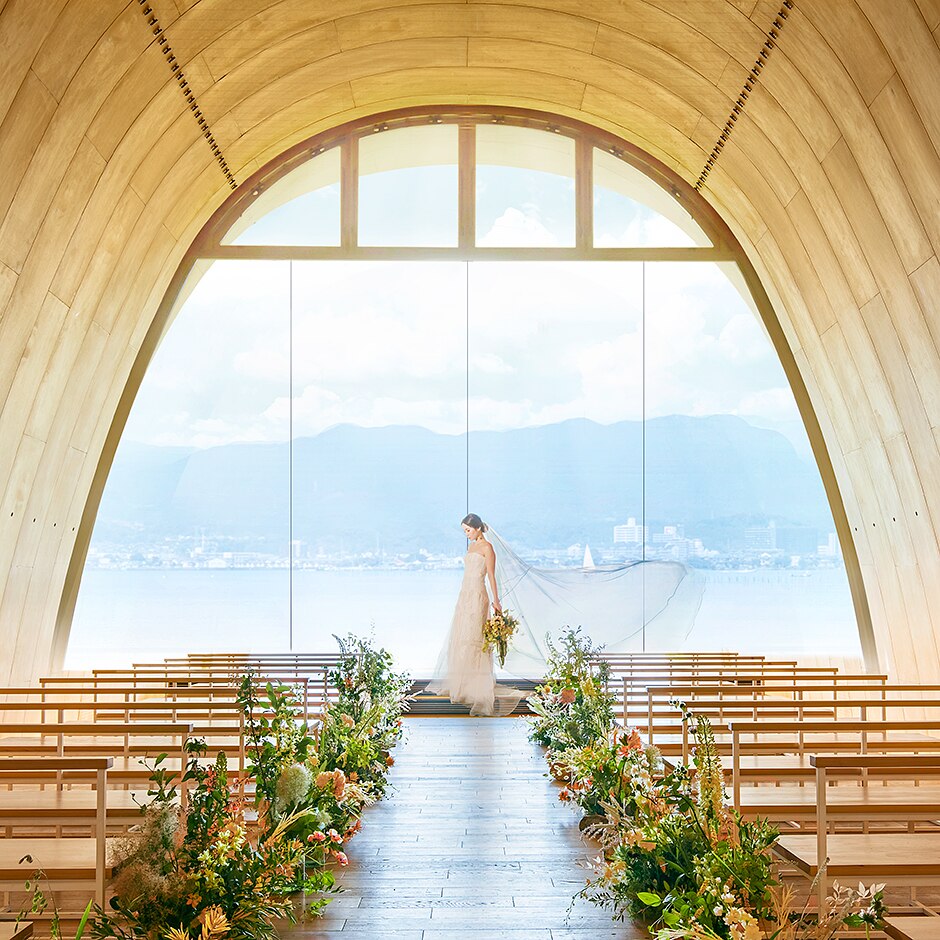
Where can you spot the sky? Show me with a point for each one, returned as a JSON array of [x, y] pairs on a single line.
[[530, 343]]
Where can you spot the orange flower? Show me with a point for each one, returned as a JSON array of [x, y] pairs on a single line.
[[389, 760], [339, 784], [568, 696]]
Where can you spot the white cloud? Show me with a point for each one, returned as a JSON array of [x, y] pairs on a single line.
[[776, 404], [516, 228], [384, 343], [491, 364], [646, 228]]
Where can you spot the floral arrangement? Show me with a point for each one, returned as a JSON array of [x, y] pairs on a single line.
[[573, 706], [619, 770], [202, 871], [671, 851], [674, 854], [228, 864], [497, 632]]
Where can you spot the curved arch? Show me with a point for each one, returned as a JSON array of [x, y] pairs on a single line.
[[209, 244], [829, 183]]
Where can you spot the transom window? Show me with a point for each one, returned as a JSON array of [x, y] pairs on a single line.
[[458, 186]]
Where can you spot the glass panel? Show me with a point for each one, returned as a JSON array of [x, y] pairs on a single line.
[[190, 547], [379, 452], [408, 187], [731, 483], [555, 408], [525, 188], [631, 211], [302, 208]]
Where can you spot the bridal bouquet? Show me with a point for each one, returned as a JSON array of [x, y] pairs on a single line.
[[497, 632]]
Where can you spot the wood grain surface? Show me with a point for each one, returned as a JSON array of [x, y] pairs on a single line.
[[830, 182]]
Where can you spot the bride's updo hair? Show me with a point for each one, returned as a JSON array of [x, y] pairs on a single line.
[[474, 521]]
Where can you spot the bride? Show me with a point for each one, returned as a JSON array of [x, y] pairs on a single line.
[[464, 671]]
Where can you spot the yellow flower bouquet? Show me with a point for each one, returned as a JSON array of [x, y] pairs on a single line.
[[497, 632]]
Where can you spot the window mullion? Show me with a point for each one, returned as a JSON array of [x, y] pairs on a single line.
[[467, 175], [584, 194], [349, 193]]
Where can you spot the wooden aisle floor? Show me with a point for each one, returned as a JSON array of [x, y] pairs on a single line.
[[470, 843]]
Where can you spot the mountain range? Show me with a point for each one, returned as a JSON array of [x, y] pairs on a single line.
[[402, 488]]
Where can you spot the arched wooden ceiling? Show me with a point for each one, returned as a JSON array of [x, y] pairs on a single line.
[[830, 179]]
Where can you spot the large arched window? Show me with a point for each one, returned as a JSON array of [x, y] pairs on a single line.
[[405, 319]]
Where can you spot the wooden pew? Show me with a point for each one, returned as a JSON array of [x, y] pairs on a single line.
[[195, 676], [773, 740], [67, 863], [631, 685], [11, 930], [141, 690], [908, 858], [925, 927], [225, 730], [722, 713], [656, 701]]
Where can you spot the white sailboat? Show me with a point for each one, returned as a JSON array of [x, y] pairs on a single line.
[[588, 560]]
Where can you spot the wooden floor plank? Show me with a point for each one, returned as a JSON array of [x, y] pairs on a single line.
[[470, 843]]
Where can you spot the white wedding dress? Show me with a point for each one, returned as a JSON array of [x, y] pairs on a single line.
[[464, 672]]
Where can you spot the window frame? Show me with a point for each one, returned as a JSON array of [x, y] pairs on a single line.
[[586, 138]]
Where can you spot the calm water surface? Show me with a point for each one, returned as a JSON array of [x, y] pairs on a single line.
[[140, 615]]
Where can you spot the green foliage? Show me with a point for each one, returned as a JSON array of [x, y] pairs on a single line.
[[208, 873], [673, 854], [364, 724], [275, 738], [573, 706]]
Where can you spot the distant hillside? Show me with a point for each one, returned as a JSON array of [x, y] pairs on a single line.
[[404, 488]]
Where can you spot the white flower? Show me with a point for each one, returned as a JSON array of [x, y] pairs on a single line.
[[293, 785]]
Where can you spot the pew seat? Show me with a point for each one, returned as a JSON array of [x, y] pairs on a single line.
[[51, 806], [926, 927], [870, 802], [10, 930], [900, 858]]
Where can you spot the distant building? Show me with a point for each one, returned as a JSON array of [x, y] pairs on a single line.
[[831, 547], [760, 538], [797, 540], [670, 534], [631, 533]]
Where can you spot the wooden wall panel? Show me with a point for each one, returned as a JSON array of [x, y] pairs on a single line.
[[831, 181]]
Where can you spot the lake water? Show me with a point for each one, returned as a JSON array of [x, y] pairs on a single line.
[[142, 615]]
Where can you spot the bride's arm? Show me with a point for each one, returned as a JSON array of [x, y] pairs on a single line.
[[490, 558]]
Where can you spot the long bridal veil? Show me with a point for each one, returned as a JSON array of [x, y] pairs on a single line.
[[638, 605]]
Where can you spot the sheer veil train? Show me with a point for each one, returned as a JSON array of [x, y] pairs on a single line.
[[624, 607]]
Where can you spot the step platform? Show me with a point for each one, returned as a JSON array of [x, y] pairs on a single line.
[[426, 703]]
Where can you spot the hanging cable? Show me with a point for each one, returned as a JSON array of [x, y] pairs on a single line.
[[163, 44], [772, 35]]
